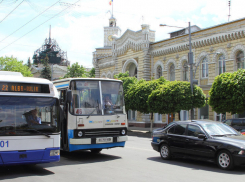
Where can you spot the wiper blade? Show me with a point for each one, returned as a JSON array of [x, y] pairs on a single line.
[[91, 113], [38, 132]]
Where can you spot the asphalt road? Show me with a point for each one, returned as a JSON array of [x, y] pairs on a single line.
[[136, 162]]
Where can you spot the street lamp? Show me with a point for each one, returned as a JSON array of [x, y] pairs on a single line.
[[190, 60]]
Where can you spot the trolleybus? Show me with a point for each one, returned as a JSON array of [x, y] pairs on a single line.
[[94, 116], [29, 120]]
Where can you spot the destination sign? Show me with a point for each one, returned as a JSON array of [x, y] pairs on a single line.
[[24, 87]]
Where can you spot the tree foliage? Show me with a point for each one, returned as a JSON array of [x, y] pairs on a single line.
[[175, 96], [121, 75], [12, 64], [228, 92], [91, 73], [46, 71], [128, 82], [138, 94], [75, 70]]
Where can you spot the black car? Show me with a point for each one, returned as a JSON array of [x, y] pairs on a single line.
[[203, 140], [237, 123]]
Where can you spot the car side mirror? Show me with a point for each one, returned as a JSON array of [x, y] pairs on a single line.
[[201, 136], [69, 96]]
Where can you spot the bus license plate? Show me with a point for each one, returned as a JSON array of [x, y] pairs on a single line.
[[104, 140]]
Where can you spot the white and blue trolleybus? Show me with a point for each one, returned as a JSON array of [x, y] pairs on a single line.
[[94, 116], [29, 120]]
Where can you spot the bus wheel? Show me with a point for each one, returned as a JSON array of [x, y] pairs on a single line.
[[95, 151]]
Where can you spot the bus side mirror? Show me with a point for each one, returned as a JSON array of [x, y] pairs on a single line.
[[69, 96]]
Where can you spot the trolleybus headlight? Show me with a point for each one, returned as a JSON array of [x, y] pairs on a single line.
[[80, 134], [54, 152], [123, 132]]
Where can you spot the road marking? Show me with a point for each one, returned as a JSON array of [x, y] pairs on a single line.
[[140, 149]]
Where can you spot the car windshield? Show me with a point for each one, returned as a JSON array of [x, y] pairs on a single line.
[[28, 115], [219, 129]]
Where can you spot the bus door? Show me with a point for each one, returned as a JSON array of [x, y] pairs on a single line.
[[63, 118]]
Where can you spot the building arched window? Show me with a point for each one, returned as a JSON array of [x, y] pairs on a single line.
[[221, 64], [204, 68], [240, 60], [158, 72], [172, 72], [185, 71]]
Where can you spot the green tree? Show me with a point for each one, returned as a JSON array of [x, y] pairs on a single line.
[[128, 82], [138, 95], [76, 71], [12, 64], [46, 71], [228, 92], [121, 75], [91, 73], [175, 96]]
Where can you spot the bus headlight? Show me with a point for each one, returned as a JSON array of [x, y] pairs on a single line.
[[54, 152], [80, 134], [123, 132]]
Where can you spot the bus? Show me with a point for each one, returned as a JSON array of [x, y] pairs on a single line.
[[94, 116], [29, 120]]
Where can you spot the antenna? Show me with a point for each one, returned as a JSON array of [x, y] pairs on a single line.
[[229, 4]]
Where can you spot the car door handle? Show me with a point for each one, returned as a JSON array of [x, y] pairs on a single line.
[[169, 137], [187, 140]]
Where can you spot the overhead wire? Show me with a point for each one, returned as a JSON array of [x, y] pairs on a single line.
[[30, 21], [11, 12], [37, 27]]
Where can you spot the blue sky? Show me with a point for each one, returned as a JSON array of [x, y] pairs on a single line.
[[79, 29]]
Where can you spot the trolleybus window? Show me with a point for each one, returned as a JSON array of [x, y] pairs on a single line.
[[28, 115]]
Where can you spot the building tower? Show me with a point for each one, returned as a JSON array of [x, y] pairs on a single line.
[[111, 30]]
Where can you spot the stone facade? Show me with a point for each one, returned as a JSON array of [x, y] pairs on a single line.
[[215, 50]]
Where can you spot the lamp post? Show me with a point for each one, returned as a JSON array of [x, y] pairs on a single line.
[[190, 61]]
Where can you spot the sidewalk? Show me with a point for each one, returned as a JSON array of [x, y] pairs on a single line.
[[139, 132]]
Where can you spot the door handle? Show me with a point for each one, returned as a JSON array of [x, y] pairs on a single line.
[[169, 137], [187, 140]]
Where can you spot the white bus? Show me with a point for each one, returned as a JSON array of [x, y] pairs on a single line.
[[94, 114], [29, 120]]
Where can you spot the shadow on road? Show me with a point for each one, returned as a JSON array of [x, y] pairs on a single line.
[[12, 172], [84, 157], [67, 158], [198, 165]]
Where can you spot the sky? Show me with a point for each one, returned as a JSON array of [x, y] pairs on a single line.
[[78, 25]]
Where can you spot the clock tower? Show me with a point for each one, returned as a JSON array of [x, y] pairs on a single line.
[[111, 30]]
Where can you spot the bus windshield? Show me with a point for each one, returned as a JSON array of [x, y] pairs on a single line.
[[28, 115], [87, 96]]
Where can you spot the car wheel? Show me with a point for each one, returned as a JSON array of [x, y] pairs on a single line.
[[224, 160], [165, 151], [95, 151]]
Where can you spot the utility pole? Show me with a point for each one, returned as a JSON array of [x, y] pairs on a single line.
[[190, 57]]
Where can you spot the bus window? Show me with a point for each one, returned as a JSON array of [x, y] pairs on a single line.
[[85, 98], [112, 97]]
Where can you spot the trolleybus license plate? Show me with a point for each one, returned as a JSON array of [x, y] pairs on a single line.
[[104, 140]]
